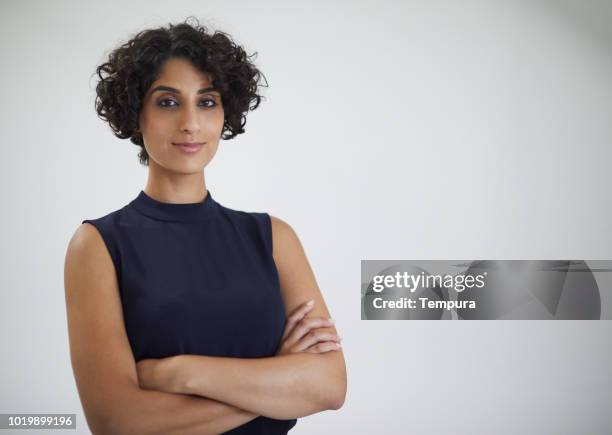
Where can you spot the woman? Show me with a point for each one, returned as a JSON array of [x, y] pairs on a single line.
[[185, 316]]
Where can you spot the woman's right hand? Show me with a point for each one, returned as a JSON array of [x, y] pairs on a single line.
[[306, 334]]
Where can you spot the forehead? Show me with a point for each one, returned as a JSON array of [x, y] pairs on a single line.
[[179, 72]]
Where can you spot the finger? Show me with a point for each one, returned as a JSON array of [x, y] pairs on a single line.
[[296, 316], [326, 346], [305, 325], [313, 337]]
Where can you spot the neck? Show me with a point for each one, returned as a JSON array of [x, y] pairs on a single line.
[[175, 187]]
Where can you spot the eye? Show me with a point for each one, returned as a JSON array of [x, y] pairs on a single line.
[[209, 102], [162, 103], [169, 102]]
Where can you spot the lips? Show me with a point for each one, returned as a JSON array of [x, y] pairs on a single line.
[[189, 147], [188, 144]]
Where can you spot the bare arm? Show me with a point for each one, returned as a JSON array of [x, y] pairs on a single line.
[[281, 387], [138, 411], [298, 284], [103, 363]]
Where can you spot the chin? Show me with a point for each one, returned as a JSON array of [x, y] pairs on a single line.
[[191, 168], [181, 166]]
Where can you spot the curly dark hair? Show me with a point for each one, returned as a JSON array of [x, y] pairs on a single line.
[[134, 66]]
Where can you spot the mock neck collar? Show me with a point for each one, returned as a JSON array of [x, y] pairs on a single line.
[[188, 212]]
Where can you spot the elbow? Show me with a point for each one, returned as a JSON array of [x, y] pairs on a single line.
[[338, 394], [100, 426], [113, 428], [337, 385], [337, 400], [106, 426], [111, 423], [124, 423], [111, 414], [337, 404], [97, 420]]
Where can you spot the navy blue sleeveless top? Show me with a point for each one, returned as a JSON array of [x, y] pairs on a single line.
[[197, 278]]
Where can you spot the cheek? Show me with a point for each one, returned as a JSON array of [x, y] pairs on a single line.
[[146, 121], [217, 124], [156, 127]]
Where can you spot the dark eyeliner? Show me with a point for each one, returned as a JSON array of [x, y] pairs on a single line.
[[165, 106]]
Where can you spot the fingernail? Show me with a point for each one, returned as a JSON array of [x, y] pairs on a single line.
[[332, 321], [339, 338], [310, 302]]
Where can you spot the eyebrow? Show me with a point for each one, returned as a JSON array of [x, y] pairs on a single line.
[[176, 91]]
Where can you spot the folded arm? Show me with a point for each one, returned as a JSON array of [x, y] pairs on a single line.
[[135, 411], [280, 387]]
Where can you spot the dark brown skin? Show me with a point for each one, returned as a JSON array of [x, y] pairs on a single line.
[[190, 395]]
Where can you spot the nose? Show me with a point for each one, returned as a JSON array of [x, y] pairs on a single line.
[[189, 120]]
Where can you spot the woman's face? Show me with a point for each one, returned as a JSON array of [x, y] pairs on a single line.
[[181, 107]]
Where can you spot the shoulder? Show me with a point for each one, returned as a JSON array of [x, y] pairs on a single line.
[[90, 232], [86, 244], [110, 218], [87, 263], [284, 238], [281, 230], [99, 238], [110, 224], [105, 225]]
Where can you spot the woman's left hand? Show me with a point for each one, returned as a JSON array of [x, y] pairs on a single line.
[[156, 374]]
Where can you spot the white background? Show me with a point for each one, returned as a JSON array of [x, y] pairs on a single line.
[[390, 130]]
